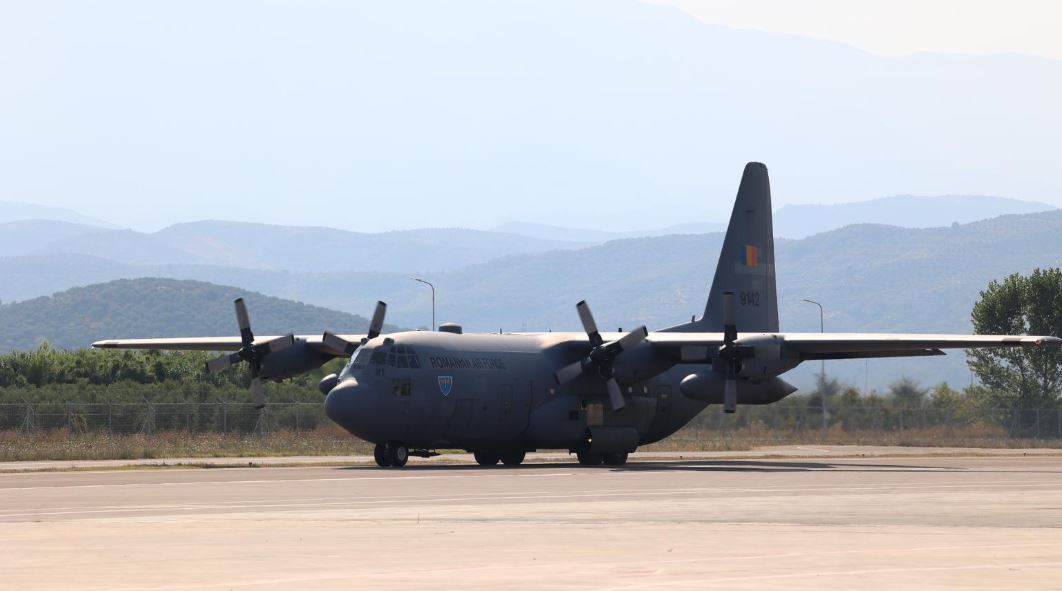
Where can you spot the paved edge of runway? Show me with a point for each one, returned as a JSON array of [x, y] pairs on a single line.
[[766, 452]]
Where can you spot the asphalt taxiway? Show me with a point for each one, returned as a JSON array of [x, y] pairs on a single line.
[[795, 523]]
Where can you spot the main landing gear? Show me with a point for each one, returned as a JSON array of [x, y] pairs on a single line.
[[391, 455], [487, 457]]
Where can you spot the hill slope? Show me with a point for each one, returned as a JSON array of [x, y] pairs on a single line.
[[157, 308], [22, 237], [11, 211]]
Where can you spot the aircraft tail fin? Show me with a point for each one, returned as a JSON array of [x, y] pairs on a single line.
[[746, 262]]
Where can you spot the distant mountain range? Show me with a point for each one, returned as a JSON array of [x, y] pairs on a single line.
[[157, 307], [800, 221], [262, 246], [906, 211], [869, 277], [547, 232], [16, 210]]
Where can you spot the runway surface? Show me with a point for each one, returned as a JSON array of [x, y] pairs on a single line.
[[886, 523]]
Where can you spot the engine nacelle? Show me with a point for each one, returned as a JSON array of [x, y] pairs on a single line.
[[708, 387], [290, 362], [769, 357]]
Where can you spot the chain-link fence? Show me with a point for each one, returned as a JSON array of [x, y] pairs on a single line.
[[236, 418], [149, 418], [1018, 423]]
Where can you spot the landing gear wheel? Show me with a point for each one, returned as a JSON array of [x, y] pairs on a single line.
[[616, 459], [513, 458], [398, 454], [380, 454], [588, 459], [485, 458]]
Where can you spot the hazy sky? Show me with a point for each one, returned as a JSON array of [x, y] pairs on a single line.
[[899, 27], [609, 114]]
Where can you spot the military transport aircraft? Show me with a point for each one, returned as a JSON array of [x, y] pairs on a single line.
[[599, 395]]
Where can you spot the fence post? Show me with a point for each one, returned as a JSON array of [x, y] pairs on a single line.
[[1038, 423], [27, 420], [110, 420], [224, 416]]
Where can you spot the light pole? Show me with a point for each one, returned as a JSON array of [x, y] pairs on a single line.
[[428, 283], [822, 329]]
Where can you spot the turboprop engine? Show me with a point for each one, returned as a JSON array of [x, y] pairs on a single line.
[[764, 356]]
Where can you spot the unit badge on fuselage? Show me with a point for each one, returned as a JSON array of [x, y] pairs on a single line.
[[446, 385]]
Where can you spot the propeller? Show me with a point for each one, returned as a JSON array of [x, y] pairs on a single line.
[[602, 357], [338, 343], [731, 354], [251, 352]]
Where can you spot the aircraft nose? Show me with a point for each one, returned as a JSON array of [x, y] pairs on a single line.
[[341, 404]]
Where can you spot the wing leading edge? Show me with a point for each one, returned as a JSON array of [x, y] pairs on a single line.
[[315, 342]]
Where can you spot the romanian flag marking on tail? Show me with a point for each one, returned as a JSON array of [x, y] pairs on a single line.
[[752, 255]]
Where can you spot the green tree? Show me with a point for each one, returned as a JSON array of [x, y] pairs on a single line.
[[1020, 377], [907, 393]]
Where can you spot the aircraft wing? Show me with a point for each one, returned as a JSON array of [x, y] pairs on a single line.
[[863, 345], [694, 347], [315, 342]]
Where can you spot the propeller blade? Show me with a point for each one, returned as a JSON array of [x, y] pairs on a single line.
[[376, 326], [244, 321], [569, 372], [277, 344], [730, 396], [258, 393], [219, 363], [338, 343], [588, 323], [629, 340], [615, 395]]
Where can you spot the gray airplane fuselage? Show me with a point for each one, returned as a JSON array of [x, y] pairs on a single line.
[[473, 391]]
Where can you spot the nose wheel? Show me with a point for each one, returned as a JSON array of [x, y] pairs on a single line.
[[393, 454]]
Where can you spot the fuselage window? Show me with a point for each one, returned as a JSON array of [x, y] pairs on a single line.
[[402, 387]]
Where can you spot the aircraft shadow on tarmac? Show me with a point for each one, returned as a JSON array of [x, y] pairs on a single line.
[[687, 466]]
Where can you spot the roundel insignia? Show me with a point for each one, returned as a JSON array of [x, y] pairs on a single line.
[[446, 385]]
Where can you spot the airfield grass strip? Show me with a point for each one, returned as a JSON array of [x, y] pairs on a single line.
[[64, 444], [61, 444], [971, 436]]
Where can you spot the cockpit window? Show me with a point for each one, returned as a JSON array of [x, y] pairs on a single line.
[[361, 359], [403, 357]]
